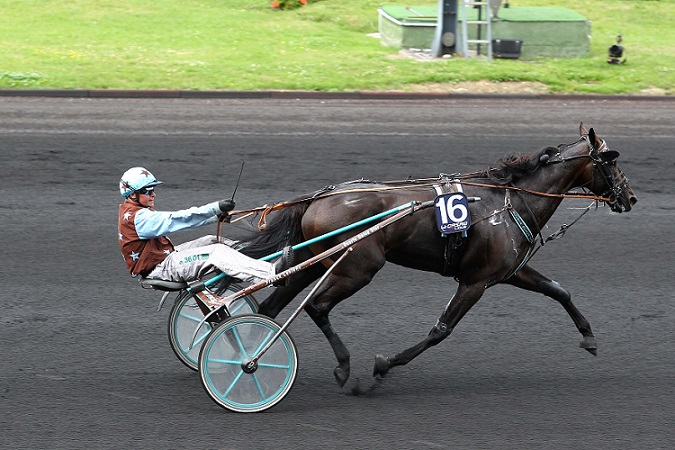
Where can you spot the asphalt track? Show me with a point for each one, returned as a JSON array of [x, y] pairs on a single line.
[[85, 357]]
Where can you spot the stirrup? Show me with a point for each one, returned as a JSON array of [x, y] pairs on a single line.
[[208, 298]]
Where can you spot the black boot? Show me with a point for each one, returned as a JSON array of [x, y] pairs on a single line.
[[284, 262]]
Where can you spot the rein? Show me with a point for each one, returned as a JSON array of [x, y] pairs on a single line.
[[265, 210], [541, 194], [330, 190]]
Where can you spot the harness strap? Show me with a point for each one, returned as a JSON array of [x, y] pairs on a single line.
[[524, 229], [518, 219], [532, 216], [522, 225]]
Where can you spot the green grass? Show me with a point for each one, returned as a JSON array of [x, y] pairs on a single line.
[[245, 45]]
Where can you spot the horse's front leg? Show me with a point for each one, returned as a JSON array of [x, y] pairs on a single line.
[[531, 280], [463, 300]]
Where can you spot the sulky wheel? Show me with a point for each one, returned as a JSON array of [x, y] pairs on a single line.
[[242, 387], [186, 315]]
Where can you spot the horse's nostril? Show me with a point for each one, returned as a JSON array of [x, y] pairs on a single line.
[[632, 200]]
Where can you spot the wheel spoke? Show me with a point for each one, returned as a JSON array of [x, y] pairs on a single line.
[[232, 385], [231, 362], [275, 366], [259, 387], [200, 340], [237, 338], [264, 341], [237, 308], [189, 317]]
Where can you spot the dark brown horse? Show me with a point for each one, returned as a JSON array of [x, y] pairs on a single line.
[[517, 199]]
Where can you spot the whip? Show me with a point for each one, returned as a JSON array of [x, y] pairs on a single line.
[[238, 178]]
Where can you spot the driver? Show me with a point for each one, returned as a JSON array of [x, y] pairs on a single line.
[[149, 253]]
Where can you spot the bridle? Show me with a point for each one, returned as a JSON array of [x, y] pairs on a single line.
[[604, 160]]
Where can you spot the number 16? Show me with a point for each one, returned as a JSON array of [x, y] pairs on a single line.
[[454, 210]]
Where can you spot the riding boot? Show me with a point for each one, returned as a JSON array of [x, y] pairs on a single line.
[[283, 263]]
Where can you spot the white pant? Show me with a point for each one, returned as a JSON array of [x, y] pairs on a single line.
[[191, 260]]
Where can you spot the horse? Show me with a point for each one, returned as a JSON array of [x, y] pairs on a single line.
[[517, 198]]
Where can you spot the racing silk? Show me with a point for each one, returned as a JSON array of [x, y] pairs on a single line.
[[142, 232]]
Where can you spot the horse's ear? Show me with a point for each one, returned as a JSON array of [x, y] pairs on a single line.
[[593, 138], [582, 130]]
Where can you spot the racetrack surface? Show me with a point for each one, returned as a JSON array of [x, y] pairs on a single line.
[[85, 358]]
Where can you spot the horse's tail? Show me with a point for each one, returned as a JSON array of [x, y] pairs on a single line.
[[283, 229]]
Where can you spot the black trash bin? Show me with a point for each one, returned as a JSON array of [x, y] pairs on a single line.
[[506, 48]]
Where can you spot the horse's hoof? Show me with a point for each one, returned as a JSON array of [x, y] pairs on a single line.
[[588, 343], [381, 366], [341, 376]]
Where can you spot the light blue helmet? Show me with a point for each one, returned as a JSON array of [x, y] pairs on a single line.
[[135, 179]]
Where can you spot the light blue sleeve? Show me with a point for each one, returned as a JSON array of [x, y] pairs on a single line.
[[151, 224]]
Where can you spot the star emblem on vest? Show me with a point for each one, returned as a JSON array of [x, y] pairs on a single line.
[[135, 256], [127, 215]]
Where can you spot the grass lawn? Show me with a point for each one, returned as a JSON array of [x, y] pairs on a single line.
[[322, 46]]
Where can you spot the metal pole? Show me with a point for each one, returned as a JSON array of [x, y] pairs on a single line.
[[480, 18], [445, 39]]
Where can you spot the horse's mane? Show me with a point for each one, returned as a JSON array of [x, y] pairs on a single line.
[[508, 169], [513, 166]]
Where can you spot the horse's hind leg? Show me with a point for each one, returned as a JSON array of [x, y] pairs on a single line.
[[531, 280], [463, 300], [282, 296], [320, 318], [342, 283]]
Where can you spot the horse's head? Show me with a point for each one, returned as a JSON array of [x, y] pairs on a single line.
[[606, 178]]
